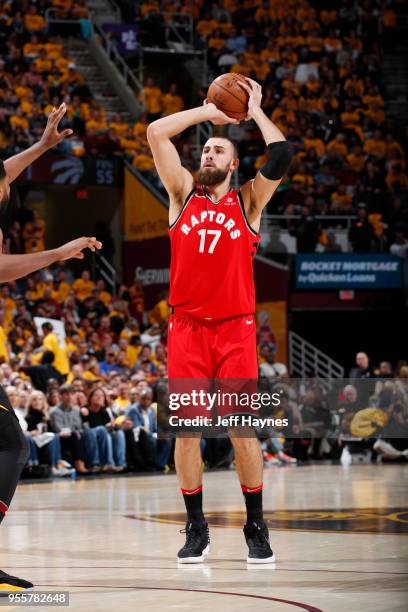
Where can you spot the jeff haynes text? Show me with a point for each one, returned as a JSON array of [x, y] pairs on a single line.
[[234, 420]]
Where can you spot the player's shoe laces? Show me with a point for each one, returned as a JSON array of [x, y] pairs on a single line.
[[257, 539], [197, 544], [12, 584]]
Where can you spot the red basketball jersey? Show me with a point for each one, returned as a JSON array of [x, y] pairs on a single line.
[[212, 247]]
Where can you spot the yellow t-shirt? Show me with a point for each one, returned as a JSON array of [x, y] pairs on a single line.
[[82, 288], [152, 97], [3, 345], [172, 104], [50, 343]]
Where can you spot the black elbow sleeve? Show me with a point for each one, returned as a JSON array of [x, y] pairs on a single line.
[[279, 157]]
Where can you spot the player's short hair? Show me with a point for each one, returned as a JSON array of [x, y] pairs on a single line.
[[3, 172], [234, 144]]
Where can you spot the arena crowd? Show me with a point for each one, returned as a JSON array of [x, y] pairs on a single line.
[[323, 85], [86, 378]]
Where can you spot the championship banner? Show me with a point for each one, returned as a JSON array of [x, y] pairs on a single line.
[[146, 249], [348, 271], [124, 36], [144, 216]]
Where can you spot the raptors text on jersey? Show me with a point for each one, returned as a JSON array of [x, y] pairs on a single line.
[[212, 248]]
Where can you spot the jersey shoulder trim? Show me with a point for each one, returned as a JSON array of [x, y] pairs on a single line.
[[186, 201], [241, 201]]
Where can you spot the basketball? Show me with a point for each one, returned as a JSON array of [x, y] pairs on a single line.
[[228, 96]]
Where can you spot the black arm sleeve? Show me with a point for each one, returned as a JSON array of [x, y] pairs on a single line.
[[279, 157]]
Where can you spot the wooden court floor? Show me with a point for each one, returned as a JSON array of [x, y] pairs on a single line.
[[340, 537]]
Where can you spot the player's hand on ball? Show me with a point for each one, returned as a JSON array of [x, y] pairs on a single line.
[[255, 96], [216, 116], [51, 136], [73, 249]]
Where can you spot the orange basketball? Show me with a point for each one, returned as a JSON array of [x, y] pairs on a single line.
[[227, 95]]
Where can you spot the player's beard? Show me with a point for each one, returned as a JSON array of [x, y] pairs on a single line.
[[212, 176]]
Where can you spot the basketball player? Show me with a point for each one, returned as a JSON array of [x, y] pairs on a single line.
[[214, 233], [13, 445]]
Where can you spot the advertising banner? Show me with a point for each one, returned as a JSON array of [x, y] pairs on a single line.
[[348, 271]]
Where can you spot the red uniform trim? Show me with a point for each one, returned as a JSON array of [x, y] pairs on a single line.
[[186, 201], [3, 507], [192, 491], [246, 489]]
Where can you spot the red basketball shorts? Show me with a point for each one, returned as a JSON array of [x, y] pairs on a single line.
[[212, 349], [212, 356]]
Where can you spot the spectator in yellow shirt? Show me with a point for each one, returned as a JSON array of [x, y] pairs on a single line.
[[311, 142], [375, 146], [172, 101], [206, 26], [83, 286], [4, 348], [32, 48], [50, 343], [96, 122], [271, 53], [143, 160], [338, 144], [119, 125], [18, 120], [356, 159], [161, 311], [104, 295], [140, 127], [129, 143], [34, 234], [151, 97], [33, 21], [62, 62]]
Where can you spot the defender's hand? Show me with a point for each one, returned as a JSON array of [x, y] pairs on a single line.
[[73, 249], [254, 91], [51, 136], [216, 116]]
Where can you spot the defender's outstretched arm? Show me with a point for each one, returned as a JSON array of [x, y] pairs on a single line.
[[13, 267], [50, 138]]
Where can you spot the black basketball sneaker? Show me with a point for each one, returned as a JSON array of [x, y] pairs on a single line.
[[257, 539], [197, 544], [12, 584]]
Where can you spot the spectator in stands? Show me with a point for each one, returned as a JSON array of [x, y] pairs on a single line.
[[271, 368], [151, 98], [172, 101], [306, 231], [362, 368], [48, 446], [65, 420], [108, 442], [41, 374], [361, 233], [400, 245], [52, 344]]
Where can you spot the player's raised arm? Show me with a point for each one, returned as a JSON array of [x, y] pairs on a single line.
[[50, 138], [177, 180], [256, 193], [13, 267]]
